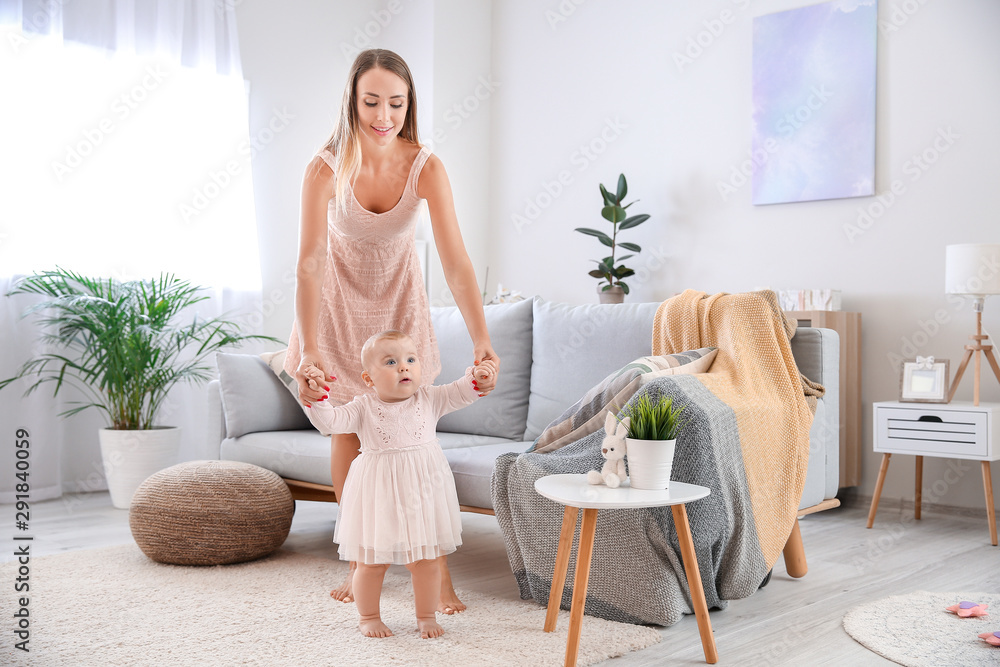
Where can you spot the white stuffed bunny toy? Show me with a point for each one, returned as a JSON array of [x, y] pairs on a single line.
[[613, 449]]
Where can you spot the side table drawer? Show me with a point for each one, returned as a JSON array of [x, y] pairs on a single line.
[[920, 430]]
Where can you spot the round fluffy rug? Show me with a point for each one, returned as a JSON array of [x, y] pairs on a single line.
[[114, 606], [916, 629]]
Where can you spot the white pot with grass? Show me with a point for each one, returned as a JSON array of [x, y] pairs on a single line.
[[131, 456], [651, 442]]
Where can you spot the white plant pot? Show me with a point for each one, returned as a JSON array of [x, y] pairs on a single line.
[[649, 463], [132, 456]]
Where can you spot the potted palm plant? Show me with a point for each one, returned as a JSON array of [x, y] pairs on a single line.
[[653, 428], [121, 345], [612, 289]]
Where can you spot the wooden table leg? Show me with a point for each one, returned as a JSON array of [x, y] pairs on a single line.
[[918, 493], [584, 552], [990, 513], [795, 554], [878, 488], [694, 583], [562, 564]]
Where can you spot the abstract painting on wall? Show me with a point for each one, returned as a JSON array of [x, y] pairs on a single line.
[[814, 102]]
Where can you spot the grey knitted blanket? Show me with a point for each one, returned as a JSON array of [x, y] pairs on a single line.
[[637, 575]]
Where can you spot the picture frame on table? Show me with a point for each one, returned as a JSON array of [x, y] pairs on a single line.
[[924, 380]]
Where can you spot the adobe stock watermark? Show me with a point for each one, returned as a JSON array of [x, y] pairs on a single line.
[[38, 23], [253, 320], [889, 538], [222, 5], [562, 12], [915, 167], [927, 329], [774, 653], [218, 180], [461, 111], [582, 158], [899, 15], [705, 38], [787, 126], [365, 34], [122, 107]]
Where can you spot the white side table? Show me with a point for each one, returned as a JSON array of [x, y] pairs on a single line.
[[575, 493], [958, 430]]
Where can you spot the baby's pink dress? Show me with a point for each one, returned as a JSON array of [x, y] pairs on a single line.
[[372, 283], [399, 503]]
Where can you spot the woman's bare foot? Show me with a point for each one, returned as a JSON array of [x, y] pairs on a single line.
[[345, 592], [375, 628], [429, 628], [449, 603]]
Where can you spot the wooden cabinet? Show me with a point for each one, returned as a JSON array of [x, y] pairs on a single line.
[[848, 325]]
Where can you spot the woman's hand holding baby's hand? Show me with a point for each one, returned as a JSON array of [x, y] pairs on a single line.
[[314, 383], [484, 376]]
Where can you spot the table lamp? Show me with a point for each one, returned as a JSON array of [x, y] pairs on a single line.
[[973, 269]]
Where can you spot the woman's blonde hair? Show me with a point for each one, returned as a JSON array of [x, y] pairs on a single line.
[[345, 143]]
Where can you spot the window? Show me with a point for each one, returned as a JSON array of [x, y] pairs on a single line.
[[123, 165]]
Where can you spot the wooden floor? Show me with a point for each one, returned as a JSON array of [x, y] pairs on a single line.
[[789, 622]]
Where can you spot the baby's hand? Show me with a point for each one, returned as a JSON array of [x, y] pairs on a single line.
[[484, 377], [314, 377], [485, 370]]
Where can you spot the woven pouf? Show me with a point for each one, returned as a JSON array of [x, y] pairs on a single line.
[[211, 513]]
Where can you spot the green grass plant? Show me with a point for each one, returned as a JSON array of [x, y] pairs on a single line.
[[651, 419]]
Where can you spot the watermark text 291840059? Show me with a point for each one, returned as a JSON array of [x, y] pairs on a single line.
[[22, 540]]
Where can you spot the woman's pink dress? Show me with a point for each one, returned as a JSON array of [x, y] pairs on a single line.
[[373, 282]]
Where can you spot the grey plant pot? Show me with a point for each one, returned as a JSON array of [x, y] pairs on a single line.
[[614, 294]]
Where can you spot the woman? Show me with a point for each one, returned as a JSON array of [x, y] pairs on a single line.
[[358, 271]]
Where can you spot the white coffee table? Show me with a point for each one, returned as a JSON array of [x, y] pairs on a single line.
[[575, 493]]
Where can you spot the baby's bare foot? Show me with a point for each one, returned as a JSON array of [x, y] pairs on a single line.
[[374, 628], [429, 628], [345, 592]]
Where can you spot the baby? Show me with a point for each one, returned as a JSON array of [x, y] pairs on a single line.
[[399, 503]]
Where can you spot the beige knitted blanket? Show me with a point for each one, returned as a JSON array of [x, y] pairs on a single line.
[[756, 376]]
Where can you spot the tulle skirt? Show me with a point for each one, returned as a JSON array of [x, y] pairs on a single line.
[[399, 506]]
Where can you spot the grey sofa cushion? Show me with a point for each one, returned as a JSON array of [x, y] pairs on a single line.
[[472, 468], [254, 399], [301, 455], [572, 350], [504, 411]]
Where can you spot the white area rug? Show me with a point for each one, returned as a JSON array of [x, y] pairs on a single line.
[[114, 606], [916, 630]]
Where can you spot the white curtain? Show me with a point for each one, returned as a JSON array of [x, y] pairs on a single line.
[[126, 153], [193, 33]]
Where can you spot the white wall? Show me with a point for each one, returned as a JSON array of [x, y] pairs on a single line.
[[606, 78], [683, 129]]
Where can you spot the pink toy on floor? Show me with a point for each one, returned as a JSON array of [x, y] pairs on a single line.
[[965, 609], [991, 638]]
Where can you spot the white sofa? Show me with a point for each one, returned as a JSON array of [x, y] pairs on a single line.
[[551, 354]]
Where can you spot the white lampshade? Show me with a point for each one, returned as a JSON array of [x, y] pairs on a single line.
[[972, 268]]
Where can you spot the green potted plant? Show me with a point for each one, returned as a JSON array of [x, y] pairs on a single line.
[[122, 346], [653, 428], [612, 289]]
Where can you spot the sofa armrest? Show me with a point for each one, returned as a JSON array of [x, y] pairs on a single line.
[[216, 428], [817, 355]]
